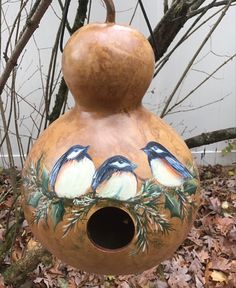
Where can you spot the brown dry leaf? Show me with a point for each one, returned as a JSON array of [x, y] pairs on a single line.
[[195, 266], [159, 284], [2, 232], [1, 282], [208, 273], [231, 183], [211, 243], [219, 276], [195, 235], [232, 234], [232, 280], [9, 201], [32, 244], [16, 254], [215, 204], [39, 280], [203, 255], [233, 266], [179, 278], [220, 263], [224, 224], [124, 285]]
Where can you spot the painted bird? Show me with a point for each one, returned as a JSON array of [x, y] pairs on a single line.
[[72, 174], [166, 168], [115, 179]]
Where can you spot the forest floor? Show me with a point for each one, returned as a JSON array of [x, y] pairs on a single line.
[[207, 258]]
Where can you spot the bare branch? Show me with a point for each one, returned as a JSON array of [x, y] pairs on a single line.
[[169, 26], [211, 137], [201, 106], [200, 84], [31, 26], [63, 90], [165, 110], [186, 35], [166, 6], [17, 272], [209, 6]]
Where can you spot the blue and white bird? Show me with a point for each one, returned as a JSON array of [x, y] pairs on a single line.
[[116, 179], [165, 167], [72, 174]]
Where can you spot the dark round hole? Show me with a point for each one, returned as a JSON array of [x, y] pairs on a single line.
[[110, 228]]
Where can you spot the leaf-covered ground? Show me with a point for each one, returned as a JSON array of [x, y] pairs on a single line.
[[207, 258]]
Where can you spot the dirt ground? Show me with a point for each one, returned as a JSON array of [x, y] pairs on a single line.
[[207, 258]]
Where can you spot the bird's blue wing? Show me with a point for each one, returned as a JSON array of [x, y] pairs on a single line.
[[56, 168], [179, 167], [100, 175]]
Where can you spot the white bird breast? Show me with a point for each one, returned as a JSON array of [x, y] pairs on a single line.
[[74, 178], [164, 175], [121, 186]]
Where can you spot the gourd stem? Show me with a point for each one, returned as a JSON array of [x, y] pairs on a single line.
[[111, 13]]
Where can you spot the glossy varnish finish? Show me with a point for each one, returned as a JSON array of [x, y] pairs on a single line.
[[110, 136]]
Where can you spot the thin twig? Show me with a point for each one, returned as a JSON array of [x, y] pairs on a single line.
[[166, 110], [134, 13], [32, 25], [186, 35], [18, 16], [200, 84], [201, 106], [209, 6]]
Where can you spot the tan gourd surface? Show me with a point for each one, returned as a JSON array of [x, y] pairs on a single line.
[[108, 68]]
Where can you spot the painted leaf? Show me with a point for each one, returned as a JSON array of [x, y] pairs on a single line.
[[173, 205], [37, 168], [151, 188], [44, 179], [57, 212], [34, 199], [190, 186], [41, 213], [44, 184]]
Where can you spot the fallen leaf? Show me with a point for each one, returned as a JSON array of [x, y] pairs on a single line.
[[203, 255], [232, 280], [179, 278], [220, 263], [62, 283], [232, 234], [225, 205], [199, 283], [224, 224], [231, 183], [218, 276], [2, 232], [160, 284], [124, 285], [215, 204], [1, 282]]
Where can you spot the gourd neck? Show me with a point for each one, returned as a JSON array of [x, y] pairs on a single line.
[[111, 13]]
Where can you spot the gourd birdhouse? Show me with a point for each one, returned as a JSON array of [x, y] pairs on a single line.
[[109, 187]]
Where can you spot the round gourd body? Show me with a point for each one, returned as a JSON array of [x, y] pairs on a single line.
[[109, 187]]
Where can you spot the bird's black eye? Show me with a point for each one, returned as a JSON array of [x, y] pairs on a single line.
[[121, 161]]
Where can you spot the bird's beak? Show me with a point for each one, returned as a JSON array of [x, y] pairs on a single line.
[[144, 149], [86, 148], [134, 166]]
